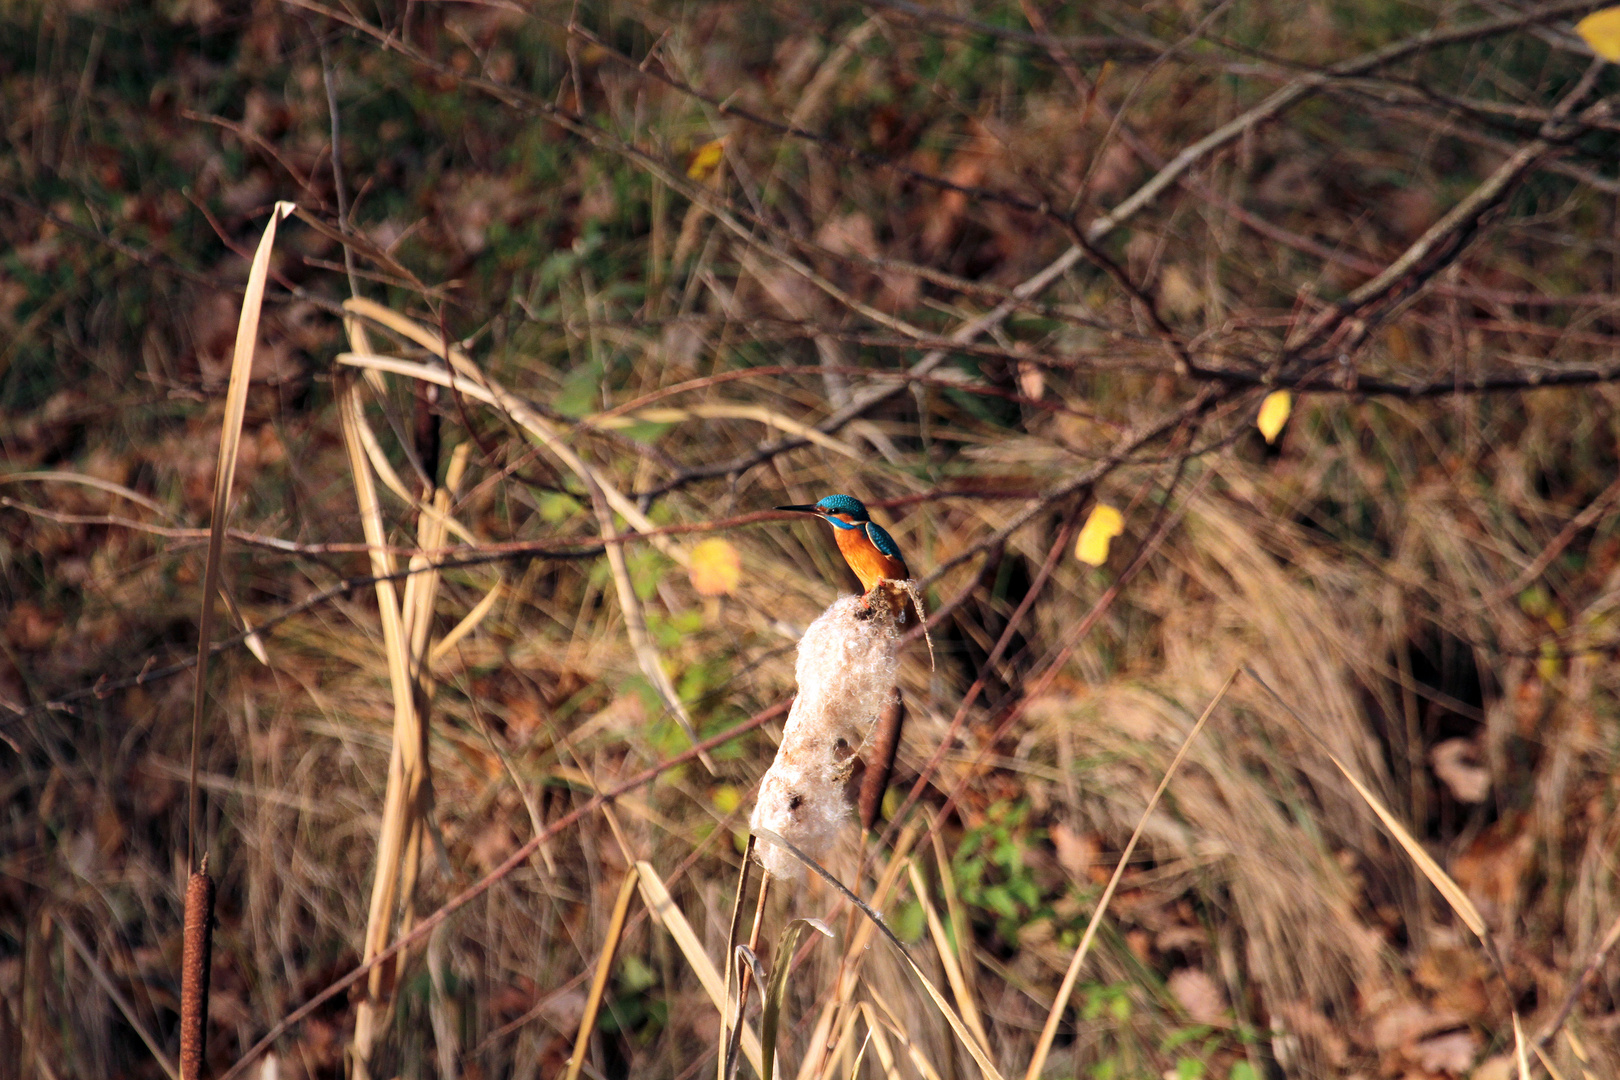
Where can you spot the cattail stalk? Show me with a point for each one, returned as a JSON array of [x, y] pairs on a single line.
[[194, 969]]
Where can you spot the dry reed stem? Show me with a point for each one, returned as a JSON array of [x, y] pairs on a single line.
[[635, 623], [951, 1016], [733, 930], [947, 957], [668, 915], [897, 1026], [840, 1047], [961, 930], [406, 767], [1043, 1046], [604, 969], [732, 1022], [721, 411], [421, 593], [1546, 1063], [855, 953], [196, 953]]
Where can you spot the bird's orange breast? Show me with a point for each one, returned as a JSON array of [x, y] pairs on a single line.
[[869, 564]]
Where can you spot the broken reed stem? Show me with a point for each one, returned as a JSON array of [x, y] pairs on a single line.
[[604, 970], [744, 973], [194, 971]]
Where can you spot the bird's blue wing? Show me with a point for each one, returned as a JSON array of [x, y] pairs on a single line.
[[882, 540]]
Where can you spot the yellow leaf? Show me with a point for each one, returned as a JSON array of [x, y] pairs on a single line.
[[716, 567], [1601, 29], [1102, 526], [726, 798], [1550, 665], [706, 159], [1274, 413]]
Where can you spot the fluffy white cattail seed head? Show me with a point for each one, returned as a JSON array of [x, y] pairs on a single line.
[[846, 672]]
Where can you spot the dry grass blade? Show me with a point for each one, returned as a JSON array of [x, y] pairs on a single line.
[[1049, 1032], [468, 380], [656, 896], [860, 1055], [111, 990], [841, 1045], [230, 441], [472, 383], [919, 1061], [61, 476], [880, 1041], [856, 951], [960, 929], [604, 968], [416, 611], [951, 1016], [199, 906], [1442, 881], [391, 480], [728, 411], [1546, 1062], [467, 625], [948, 958]]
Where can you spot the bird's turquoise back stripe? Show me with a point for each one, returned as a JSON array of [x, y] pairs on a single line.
[[881, 540]]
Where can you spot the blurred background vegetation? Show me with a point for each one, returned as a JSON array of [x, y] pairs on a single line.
[[685, 233]]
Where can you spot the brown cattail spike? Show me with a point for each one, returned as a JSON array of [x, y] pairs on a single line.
[[880, 749], [194, 969]]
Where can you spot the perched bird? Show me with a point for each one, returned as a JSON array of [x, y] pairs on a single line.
[[870, 551]]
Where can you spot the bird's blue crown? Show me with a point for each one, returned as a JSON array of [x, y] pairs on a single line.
[[844, 504]]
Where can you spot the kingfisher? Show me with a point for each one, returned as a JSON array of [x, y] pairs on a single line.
[[870, 551]]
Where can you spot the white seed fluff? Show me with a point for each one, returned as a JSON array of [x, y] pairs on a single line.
[[846, 673]]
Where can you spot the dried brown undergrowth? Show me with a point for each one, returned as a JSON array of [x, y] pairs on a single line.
[[650, 270]]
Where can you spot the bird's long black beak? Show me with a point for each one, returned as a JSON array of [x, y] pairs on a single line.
[[802, 509]]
